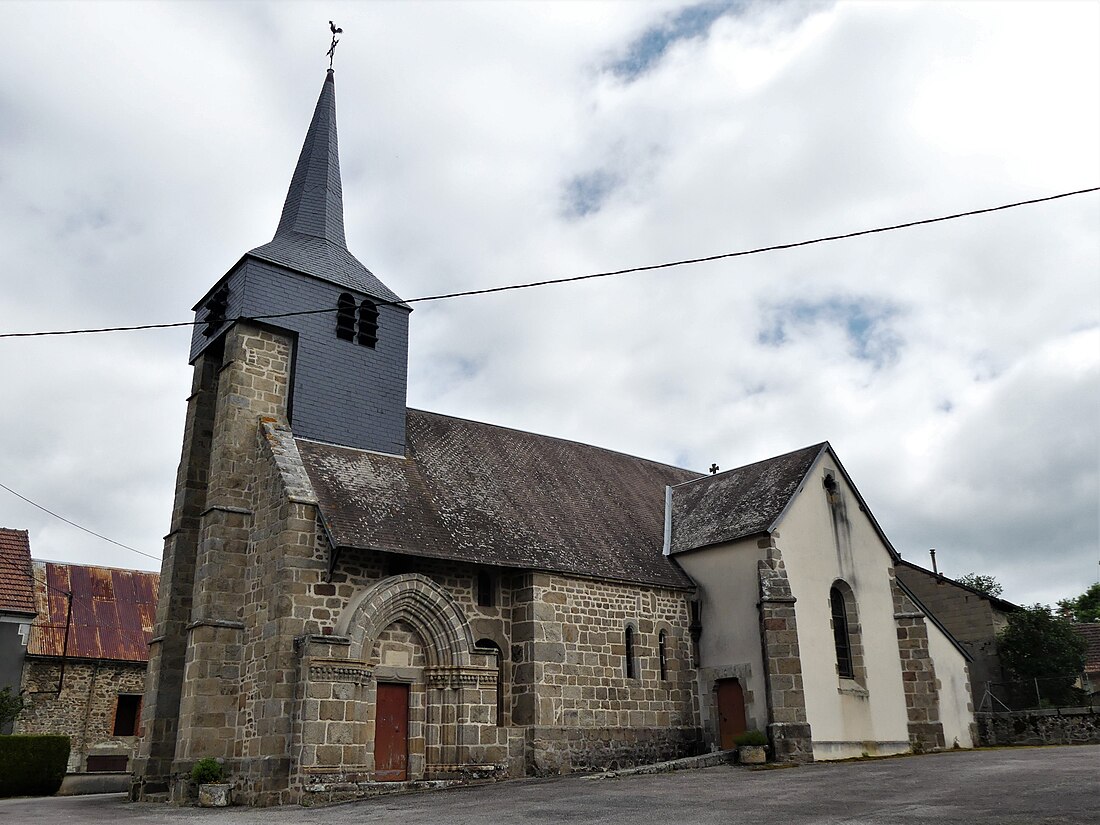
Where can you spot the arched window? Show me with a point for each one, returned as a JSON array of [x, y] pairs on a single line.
[[662, 653], [628, 641], [216, 308], [841, 637], [345, 317], [368, 324]]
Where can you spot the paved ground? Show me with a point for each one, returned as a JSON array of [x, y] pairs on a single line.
[[1036, 786]]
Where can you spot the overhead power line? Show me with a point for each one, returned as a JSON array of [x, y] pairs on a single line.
[[78, 526], [588, 277]]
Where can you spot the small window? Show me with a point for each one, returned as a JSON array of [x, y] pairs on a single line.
[[398, 565], [368, 324], [662, 654], [127, 715], [841, 638], [216, 309], [345, 317], [486, 595], [628, 640]]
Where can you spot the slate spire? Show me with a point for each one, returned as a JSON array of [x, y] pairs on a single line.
[[315, 203], [310, 238]]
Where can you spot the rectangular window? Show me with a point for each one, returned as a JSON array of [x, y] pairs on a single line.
[[485, 587], [127, 715]]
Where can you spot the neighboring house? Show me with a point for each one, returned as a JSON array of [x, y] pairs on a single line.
[[357, 592], [84, 673], [1091, 681], [972, 617], [16, 606]]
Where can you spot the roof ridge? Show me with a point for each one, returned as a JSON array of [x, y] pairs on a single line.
[[560, 439], [818, 447]]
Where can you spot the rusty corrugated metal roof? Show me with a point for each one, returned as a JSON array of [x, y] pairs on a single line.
[[113, 612], [16, 587]]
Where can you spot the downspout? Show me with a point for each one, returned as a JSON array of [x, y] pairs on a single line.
[[668, 521]]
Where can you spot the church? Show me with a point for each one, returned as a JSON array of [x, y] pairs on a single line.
[[354, 592]]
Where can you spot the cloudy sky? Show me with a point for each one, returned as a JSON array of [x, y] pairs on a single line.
[[955, 368]]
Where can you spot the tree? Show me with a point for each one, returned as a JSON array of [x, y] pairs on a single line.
[[1085, 608], [10, 705], [983, 584], [1044, 654]]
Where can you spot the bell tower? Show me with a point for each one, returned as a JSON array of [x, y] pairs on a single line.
[[300, 336], [350, 357]]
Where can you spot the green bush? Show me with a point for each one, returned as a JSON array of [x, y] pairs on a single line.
[[750, 737], [32, 765], [207, 771]]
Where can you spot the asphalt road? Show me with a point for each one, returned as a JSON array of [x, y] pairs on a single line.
[[1036, 786]]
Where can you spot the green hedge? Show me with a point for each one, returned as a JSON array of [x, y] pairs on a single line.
[[32, 765]]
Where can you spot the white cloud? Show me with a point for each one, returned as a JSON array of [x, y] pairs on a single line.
[[145, 147]]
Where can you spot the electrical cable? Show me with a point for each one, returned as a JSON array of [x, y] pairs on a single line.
[[591, 276], [78, 526]]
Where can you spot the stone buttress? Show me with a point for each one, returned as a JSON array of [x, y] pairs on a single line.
[[788, 727]]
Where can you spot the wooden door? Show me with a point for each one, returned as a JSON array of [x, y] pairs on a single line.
[[731, 712], [391, 733]]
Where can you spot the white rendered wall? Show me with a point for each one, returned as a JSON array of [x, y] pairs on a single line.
[[730, 645], [956, 708], [846, 718]]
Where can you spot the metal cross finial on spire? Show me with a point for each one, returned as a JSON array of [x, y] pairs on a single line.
[[332, 49]]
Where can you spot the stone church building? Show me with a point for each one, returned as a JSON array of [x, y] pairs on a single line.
[[355, 592]]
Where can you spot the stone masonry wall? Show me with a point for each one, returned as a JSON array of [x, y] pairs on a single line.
[[252, 382], [570, 676], [973, 620], [84, 710], [281, 559], [167, 649], [788, 727], [1058, 726], [918, 674]]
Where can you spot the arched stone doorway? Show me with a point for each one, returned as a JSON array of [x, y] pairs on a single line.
[[402, 640]]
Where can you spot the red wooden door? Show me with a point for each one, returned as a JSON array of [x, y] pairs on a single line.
[[731, 711], [391, 733]]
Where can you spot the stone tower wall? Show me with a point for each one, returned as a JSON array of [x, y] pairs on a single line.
[[252, 382], [152, 767]]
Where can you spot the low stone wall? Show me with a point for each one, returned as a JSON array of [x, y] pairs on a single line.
[[1060, 726], [555, 751]]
